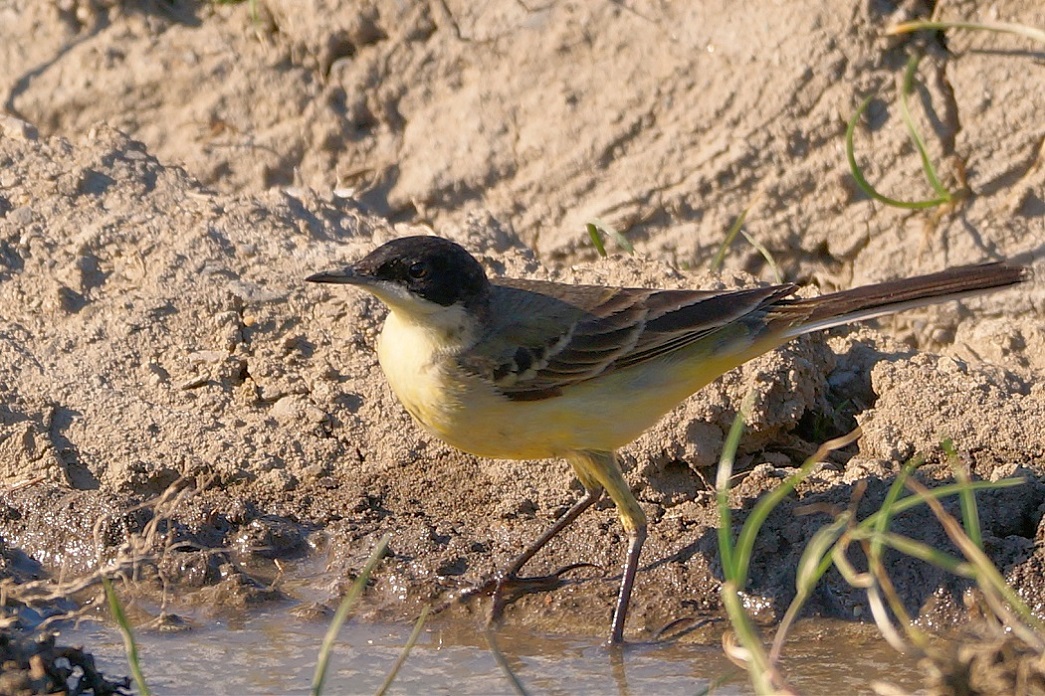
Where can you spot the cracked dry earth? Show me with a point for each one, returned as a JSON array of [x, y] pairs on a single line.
[[170, 172]]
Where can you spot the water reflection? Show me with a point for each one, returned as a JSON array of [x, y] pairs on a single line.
[[276, 653]]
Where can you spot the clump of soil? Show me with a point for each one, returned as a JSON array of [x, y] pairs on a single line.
[[37, 665]]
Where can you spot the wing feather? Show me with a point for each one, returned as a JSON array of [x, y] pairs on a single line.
[[544, 337]]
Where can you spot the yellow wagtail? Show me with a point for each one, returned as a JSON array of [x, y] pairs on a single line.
[[525, 369]]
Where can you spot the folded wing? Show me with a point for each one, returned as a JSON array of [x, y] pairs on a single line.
[[546, 337]]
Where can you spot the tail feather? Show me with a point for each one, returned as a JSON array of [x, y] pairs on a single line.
[[815, 313]]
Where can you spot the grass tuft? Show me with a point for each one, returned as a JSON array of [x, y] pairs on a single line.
[[943, 196], [731, 235], [738, 228], [829, 547], [736, 558]]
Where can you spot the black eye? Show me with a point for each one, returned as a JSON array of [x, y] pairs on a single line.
[[418, 270]]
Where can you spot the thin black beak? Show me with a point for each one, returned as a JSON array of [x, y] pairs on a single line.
[[345, 276]]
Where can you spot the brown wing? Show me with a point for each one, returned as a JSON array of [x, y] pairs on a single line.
[[547, 336]]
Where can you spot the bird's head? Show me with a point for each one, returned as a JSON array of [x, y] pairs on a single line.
[[418, 276]]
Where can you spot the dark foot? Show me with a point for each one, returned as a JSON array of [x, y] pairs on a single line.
[[678, 628], [505, 587]]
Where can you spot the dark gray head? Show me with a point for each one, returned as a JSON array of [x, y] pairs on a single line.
[[430, 268]]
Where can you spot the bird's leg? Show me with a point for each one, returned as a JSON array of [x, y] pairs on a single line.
[[636, 538], [508, 579], [591, 496], [603, 468], [599, 472]]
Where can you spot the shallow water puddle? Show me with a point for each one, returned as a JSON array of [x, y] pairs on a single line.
[[275, 653]]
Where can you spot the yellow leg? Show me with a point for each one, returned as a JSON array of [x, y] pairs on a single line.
[[600, 470]]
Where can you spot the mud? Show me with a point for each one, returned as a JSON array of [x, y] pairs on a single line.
[[41, 667], [170, 172]]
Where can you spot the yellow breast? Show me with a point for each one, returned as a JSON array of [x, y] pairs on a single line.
[[411, 356], [419, 361]]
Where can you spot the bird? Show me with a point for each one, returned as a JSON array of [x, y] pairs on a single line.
[[512, 368]]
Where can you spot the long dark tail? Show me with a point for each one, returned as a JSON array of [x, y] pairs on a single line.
[[815, 313]]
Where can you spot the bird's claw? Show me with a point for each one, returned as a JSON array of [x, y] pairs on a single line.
[[676, 629], [505, 586]]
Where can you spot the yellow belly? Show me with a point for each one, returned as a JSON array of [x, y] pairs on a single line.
[[603, 414]]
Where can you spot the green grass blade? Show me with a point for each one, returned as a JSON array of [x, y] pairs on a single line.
[[502, 662], [906, 87], [858, 175], [941, 492], [811, 567], [761, 249], [722, 485], [736, 559], [887, 509], [746, 541], [342, 614], [595, 226], [410, 642], [749, 533], [731, 234], [130, 646], [756, 659], [925, 552], [596, 238], [738, 228], [967, 497]]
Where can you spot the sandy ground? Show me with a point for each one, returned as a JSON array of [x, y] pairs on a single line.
[[170, 172]]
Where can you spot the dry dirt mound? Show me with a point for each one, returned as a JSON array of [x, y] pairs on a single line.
[[156, 329]]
